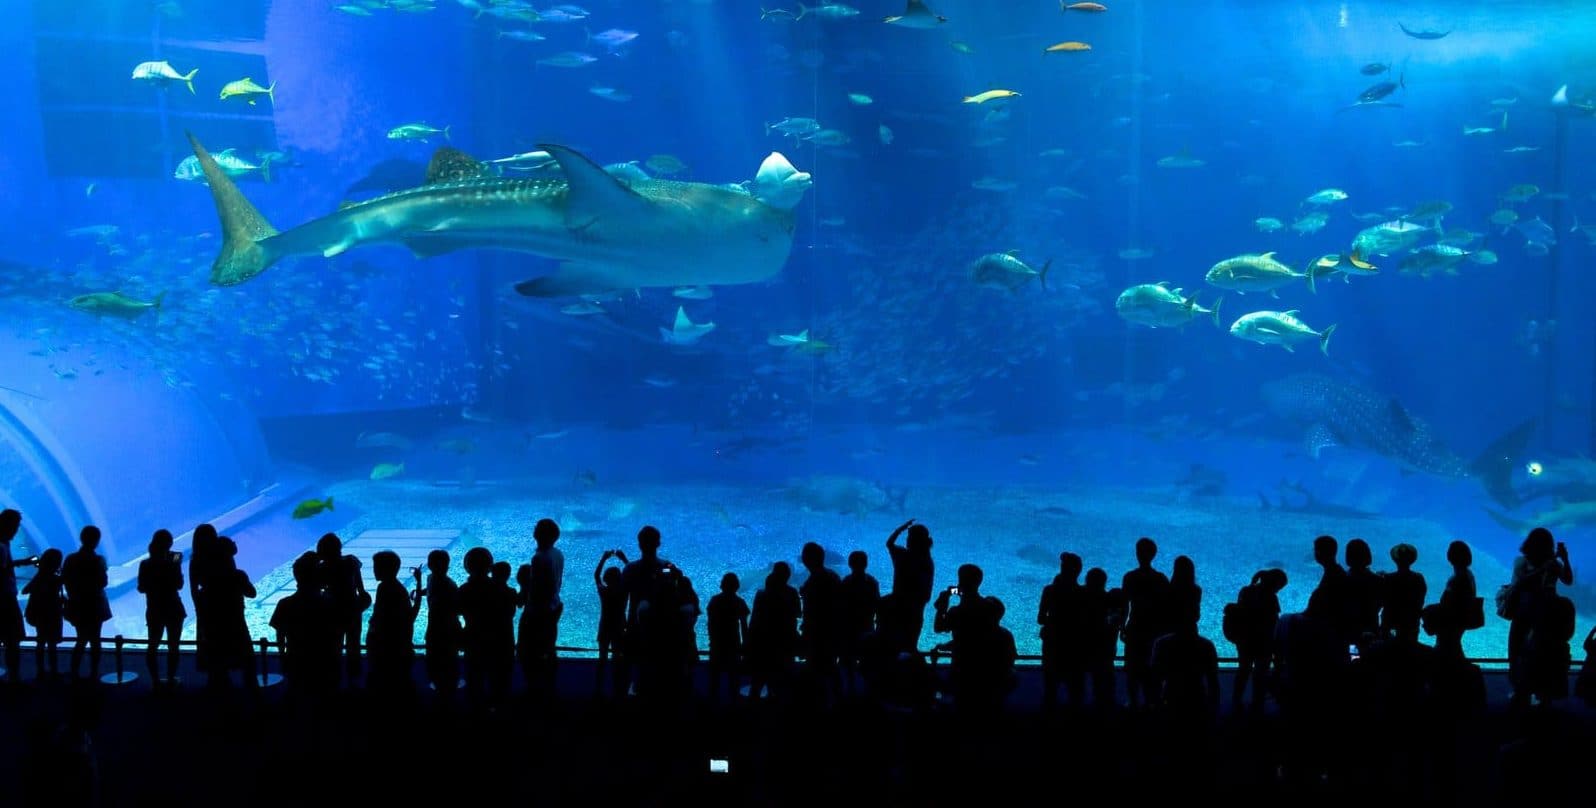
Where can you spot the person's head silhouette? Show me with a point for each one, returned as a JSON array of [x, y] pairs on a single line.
[[1359, 556], [729, 583], [89, 538], [1404, 555], [546, 532], [329, 546], [648, 540], [919, 540], [385, 565], [1146, 551], [160, 543], [438, 562], [1324, 551], [780, 573], [1069, 566], [813, 556], [858, 560], [1539, 546], [1459, 555], [10, 524], [478, 562]]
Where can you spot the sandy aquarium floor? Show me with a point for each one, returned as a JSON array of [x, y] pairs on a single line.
[[1014, 534]]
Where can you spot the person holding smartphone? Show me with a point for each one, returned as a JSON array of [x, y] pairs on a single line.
[[1542, 564], [161, 581], [973, 622], [10, 609]]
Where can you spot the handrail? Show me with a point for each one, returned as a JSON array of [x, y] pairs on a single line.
[[276, 649]]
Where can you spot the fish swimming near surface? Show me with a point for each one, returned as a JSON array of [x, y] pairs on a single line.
[[611, 235], [1340, 413]]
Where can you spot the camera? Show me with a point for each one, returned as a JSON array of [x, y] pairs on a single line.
[[177, 556], [954, 591]]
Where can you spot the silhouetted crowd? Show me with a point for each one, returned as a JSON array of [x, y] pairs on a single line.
[[852, 640]]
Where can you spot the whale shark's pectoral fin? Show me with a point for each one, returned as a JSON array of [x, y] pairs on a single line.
[[573, 278], [595, 194]]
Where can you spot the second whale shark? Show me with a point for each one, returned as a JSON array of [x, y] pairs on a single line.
[[610, 233]]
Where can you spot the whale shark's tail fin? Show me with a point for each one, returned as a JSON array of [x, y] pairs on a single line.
[[244, 231], [1494, 466]]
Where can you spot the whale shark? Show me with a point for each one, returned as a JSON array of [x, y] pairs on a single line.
[[1339, 413], [610, 233]]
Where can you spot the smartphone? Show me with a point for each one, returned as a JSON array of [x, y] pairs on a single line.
[[719, 766], [177, 557], [953, 590]]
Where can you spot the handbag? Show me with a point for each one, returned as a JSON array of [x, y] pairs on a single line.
[[1505, 602], [1474, 615]]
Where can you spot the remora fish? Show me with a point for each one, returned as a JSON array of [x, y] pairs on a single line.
[[1339, 413], [611, 235]]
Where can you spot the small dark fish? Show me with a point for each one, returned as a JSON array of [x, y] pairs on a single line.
[[1422, 34], [1374, 68], [1383, 89]]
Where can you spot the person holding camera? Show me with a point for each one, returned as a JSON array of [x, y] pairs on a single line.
[[161, 581], [612, 617], [1542, 564], [10, 608], [974, 623]]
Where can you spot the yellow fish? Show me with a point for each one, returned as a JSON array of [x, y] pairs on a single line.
[[989, 95], [246, 87], [1067, 47]]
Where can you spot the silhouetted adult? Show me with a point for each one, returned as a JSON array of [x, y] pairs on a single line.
[[640, 580], [342, 581], [861, 598], [773, 633], [226, 589], [309, 630], [1103, 616], [1336, 597], [1460, 607], [1185, 596], [1062, 616], [390, 639], [1310, 659], [11, 631], [444, 636], [161, 581], [976, 669], [1256, 615], [202, 554], [1585, 685], [1147, 595], [1541, 565], [821, 595], [541, 609], [481, 605], [728, 626], [1547, 656], [1364, 594], [912, 574], [1185, 666], [1404, 591], [84, 576]]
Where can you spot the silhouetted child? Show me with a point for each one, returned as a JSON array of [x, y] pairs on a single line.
[[489, 634], [309, 630], [44, 611], [1102, 618], [1060, 616], [612, 614], [728, 625], [390, 639], [443, 626], [161, 581], [861, 598]]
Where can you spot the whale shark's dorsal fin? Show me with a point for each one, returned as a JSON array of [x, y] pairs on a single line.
[[450, 165], [594, 193]]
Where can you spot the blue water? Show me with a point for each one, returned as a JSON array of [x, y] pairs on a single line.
[[974, 408]]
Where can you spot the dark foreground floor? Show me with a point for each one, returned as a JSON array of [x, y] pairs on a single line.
[[194, 747]]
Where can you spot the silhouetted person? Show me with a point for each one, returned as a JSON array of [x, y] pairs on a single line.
[[1460, 607], [444, 636], [390, 639], [1404, 595], [503, 626], [482, 605], [84, 576], [612, 619], [45, 612], [202, 557], [976, 670], [1147, 596], [1585, 685], [1541, 565], [342, 581], [226, 589], [1185, 596], [1103, 618], [773, 633], [1257, 613], [309, 628], [541, 609], [912, 574], [11, 631], [861, 598], [1311, 660], [821, 595], [682, 651], [1185, 666], [1546, 652], [728, 626], [1364, 594], [161, 581], [1062, 616], [1337, 591], [640, 580]]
